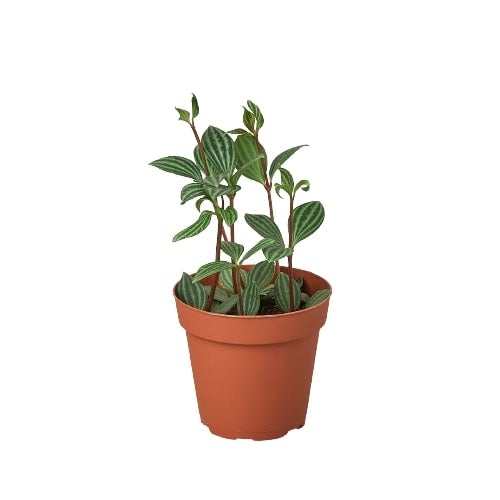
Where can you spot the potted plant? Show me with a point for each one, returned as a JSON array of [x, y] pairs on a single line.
[[252, 330]]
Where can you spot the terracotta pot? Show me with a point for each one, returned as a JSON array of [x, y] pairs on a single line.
[[253, 374]]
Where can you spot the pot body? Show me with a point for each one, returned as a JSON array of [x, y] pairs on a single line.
[[253, 374]]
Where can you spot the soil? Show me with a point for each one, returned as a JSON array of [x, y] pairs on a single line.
[[267, 307]]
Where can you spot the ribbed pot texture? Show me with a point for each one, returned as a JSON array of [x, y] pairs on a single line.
[[253, 374]]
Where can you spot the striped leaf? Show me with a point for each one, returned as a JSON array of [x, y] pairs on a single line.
[[257, 113], [230, 216], [199, 162], [275, 252], [179, 166], [266, 227], [282, 158], [234, 250], [225, 306], [248, 120], [282, 293], [191, 191], [191, 293], [200, 225], [307, 218], [246, 153], [237, 131], [226, 279], [251, 299], [211, 268], [304, 185], [244, 277], [287, 181], [183, 115], [241, 170], [219, 149], [195, 109], [220, 293], [262, 274], [200, 201], [317, 298], [257, 247]]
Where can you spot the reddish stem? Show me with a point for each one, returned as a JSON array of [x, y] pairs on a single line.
[[290, 257], [211, 296]]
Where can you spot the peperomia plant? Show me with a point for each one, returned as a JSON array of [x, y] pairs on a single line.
[[215, 173]]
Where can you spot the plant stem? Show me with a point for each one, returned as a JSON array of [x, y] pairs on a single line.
[[211, 296], [268, 186], [233, 270], [238, 291], [290, 257]]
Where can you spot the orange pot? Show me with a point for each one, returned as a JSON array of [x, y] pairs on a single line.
[[253, 374]]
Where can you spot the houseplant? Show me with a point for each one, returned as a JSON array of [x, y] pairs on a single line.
[[252, 330]]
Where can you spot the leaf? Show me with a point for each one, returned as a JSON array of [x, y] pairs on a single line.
[[246, 152], [257, 113], [179, 166], [287, 181], [300, 281], [211, 268], [262, 274], [215, 192], [304, 297], [282, 158], [248, 120], [200, 202], [251, 299], [183, 115], [195, 109], [275, 252], [317, 298], [221, 294], [266, 227], [241, 170], [257, 247], [226, 306], [200, 225], [304, 185], [244, 277], [238, 131], [190, 191], [219, 149], [282, 293], [234, 250], [191, 293], [230, 216], [307, 218], [226, 278]]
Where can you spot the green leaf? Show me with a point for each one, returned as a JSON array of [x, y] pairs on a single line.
[[179, 166], [282, 293], [257, 247], [275, 252], [190, 191], [304, 185], [262, 274], [244, 277], [226, 278], [200, 225], [200, 201], [307, 218], [211, 268], [304, 297], [234, 250], [238, 131], [257, 113], [248, 120], [266, 227], [219, 149], [287, 181], [282, 158], [195, 109], [317, 298], [230, 216], [251, 299], [226, 306], [191, 293], [246, 152], [241, 170], [215, 192], [221, 294], [183, 115]]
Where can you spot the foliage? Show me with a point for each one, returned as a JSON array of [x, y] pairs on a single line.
[[217, 167]]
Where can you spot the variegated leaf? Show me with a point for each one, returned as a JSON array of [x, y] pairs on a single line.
[[225, 306], [282, 293], [266, 227], [211, 268], [234, 250], [257, 247], [262, 274], [200, 225], [282, 158], [248, 120], [219, 149], [317, 298], [230, 215], [246, 154], [275, 252], [221, 294], [195, 109], [179, 166], [191, 191], [191, 293], [303, 184], [257, 113], [307, 218], [251, 299]]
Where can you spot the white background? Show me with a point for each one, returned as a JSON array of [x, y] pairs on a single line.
[[400, 104]]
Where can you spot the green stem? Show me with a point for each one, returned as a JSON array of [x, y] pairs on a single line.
[[211, 296]]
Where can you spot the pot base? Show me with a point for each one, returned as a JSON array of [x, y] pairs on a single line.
[[255, 436]]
